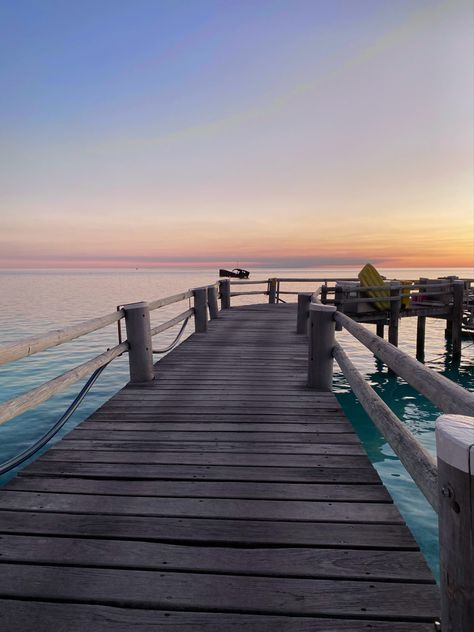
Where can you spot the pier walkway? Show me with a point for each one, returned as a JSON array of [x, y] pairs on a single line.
[[224, 496]]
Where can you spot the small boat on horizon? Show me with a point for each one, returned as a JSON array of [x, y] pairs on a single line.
[[236, 273]]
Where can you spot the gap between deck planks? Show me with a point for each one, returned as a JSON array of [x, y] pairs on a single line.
[[223, 496]]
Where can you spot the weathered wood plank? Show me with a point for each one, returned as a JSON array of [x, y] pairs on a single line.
[[236, 429], [272, 562], [211, 531], [222, 447], [235, 508], [269, 595], [194, 458], [209, 489], [194, 436], [68, 617], [172, 471]]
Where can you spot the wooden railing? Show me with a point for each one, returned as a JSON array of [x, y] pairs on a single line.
[[448, 481], [138, 344]]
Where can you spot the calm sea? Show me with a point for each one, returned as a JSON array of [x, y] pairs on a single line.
[[34, 301]]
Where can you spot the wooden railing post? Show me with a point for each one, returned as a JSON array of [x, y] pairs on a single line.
[[455, 450], [339, 302], [140, 355], [212, 302], [272, 290], [395, 307], [304, 301], [200, 309], [456, 323], [321, 333], [224, 291]]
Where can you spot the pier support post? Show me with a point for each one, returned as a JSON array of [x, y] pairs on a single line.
[[140, 355], [272, 290], [212, 302], [455, 450], [338, 303], [395, 307], [456, 323], [200, 309], [321, 344], [420, 337], [304, 301], [224, 291], [379, 328]]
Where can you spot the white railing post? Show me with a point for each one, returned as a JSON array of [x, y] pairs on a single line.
[[224, 290], [200, 309], [304, 301], [455, 449], [321, 333], [140, 355]]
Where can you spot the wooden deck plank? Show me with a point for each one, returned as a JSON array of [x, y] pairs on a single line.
[[211, 531], [223, 447], [67, 617], [237, 508], [183, 457], [226, 593], [270, 562], [206, 489], [172, 471]]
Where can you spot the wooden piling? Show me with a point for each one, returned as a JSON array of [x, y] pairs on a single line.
[[395, 306], [379, 329], [420, 337], [272, 290], [200, 309], [304, 301], [224, 291], [321, 344], [140, 356], [454, 441], [456, 323], [212, 302]]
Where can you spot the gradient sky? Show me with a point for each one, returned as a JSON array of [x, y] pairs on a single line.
[[288, 132]]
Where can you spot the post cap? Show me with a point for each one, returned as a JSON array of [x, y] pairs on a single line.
[[139, 305], [455, 441], [321, 307]]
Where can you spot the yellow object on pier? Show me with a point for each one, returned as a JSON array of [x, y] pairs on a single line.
[[369, 277]]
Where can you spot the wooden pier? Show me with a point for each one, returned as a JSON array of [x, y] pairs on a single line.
[[224, 488], [224, 495]]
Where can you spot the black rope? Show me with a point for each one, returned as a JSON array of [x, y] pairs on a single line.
[[6, 466], [176, 340]]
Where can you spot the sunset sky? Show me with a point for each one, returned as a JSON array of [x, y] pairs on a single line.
[[279, 132]]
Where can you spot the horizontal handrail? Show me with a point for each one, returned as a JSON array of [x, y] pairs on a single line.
[[387, 286], [169, 300], [247, 282], [446, 395], [418, 462], [250, 293], [18, 405], [173, 321], [313, 280], [28, 346]]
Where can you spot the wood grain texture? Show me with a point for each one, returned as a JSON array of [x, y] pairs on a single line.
[[224, 495]]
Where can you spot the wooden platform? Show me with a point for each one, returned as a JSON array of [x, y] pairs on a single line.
[[226, 496]]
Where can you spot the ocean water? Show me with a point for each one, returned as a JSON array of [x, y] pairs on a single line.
[[35, 301]]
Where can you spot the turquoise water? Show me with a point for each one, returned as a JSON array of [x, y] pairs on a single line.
[[37, 301]]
